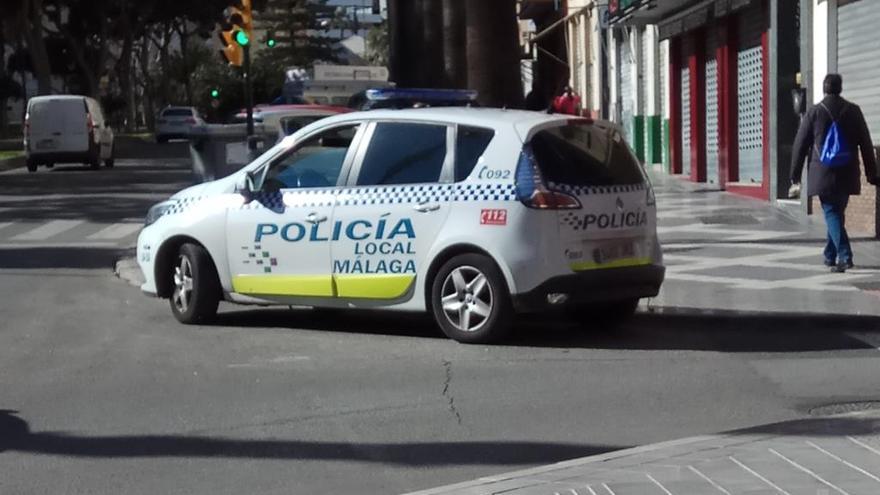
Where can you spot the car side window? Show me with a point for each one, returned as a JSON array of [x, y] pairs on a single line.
[[404, 153], [470, 144], [316, 162]]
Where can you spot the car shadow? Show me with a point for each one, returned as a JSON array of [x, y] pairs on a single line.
[[16, 436], [728, 332]]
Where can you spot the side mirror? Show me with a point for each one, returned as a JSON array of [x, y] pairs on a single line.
[[248, 188]]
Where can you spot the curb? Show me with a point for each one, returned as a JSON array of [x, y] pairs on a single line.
[[581, 461], [12, 163], [128, 270], [527, 477]]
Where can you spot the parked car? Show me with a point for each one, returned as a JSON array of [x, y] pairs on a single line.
[[177, 123], [470, 214], [398, 98], [66, 128], [270, 116]]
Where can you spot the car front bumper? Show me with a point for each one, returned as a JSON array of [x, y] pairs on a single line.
[[146, 257], [592, 286]]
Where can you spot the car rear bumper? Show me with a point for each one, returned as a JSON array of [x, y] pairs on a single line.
[[60, 156], [594, 286]]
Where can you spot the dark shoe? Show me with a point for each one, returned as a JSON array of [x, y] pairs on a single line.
[[849, 264], [830, 263], [839, 268]]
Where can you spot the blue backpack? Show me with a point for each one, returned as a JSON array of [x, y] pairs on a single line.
[[835, 150]]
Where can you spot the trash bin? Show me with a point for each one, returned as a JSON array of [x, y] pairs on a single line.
[[221, 150]]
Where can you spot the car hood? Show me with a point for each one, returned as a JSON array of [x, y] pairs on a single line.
[[219, 186]]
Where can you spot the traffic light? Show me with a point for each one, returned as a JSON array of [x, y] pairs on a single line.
[[215, 93], [235, 32], [270, 40]]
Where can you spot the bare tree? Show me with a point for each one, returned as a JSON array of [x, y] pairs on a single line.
[[493, 52], [455, 43], [31, 19]]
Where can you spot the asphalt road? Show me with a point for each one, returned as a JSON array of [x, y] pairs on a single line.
[[102, 391]]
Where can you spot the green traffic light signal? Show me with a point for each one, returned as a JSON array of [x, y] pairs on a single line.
[[242, 38], [270, 42], [215, 93]]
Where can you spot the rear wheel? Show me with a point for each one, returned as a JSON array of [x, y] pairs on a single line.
[[470, 300], [31, 166], [196, 289], [161, 139], [109, 162]]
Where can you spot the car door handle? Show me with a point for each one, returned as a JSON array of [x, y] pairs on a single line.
[[426, 207], [315, 218]]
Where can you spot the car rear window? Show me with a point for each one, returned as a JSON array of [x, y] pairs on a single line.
[[469, 147], [177, 112], [585, 155]]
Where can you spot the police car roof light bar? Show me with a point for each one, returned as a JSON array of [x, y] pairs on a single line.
[[384, 94]]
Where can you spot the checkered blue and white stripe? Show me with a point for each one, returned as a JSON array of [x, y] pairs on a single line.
[[593, 190], [375, 195]]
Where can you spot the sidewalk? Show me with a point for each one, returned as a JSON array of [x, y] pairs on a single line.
[[731, 255], [817, 456]]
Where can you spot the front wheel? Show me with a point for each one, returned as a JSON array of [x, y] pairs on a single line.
[[470, 300], [196, 288]]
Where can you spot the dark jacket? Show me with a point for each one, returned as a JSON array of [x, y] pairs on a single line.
[[810, 138]]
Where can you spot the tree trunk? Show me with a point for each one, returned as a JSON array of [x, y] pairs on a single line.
[[4, 115], [493, 52], [149, 105], [433, 72], [32, 21], [455, 43], [407, 38]]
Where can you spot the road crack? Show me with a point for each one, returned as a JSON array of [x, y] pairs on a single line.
[[450, 399]]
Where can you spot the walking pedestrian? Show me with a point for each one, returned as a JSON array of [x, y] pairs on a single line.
[[831, 132], [568, 102]]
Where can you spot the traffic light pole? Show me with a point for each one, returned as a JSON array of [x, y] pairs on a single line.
[[249, 95]]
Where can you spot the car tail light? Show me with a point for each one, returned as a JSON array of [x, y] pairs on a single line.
[[90, 124], [27, 122], [533, 192], [190, 120]]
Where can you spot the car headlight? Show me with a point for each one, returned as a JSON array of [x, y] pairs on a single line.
[[156, 212]]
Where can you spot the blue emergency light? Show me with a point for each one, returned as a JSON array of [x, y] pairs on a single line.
[[423, 95]]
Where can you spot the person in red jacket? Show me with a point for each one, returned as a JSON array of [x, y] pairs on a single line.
[[568, 102]]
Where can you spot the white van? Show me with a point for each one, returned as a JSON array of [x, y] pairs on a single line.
[[66, 128]]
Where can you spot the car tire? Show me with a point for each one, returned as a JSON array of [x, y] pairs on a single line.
[[109, 162], [609, 314], [50, 165], [31, 166], [161, 139], [195, 291], [470, 300]]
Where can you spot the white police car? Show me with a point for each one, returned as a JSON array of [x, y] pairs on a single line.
[[472, 214]]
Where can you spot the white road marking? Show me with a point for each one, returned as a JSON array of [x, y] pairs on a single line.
[[116, 231], [592, 492], [709, 480], [814, 475], [47, 230], [667, 492], [870, 338], [862, 444], [605, 486], [847, 463], [758, 475], [42, 245]]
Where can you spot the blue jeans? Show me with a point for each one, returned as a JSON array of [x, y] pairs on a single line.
[[837, 249]]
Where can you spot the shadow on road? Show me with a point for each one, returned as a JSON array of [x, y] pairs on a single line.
[[730, 332], [15, 436], [60, 257]]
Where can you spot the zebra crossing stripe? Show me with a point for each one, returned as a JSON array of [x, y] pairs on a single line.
[[48, 230], [116, 231]]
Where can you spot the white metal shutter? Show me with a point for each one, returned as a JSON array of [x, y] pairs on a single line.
[[711, 108], [627, 86], [686, 49], [750, 94], [664, 87], [643, 70], [858, 57]]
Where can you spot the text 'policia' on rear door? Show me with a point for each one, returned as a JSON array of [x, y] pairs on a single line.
[[606, 214]]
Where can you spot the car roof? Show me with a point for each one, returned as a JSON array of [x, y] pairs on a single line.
[[57, 97], [495, 118], [268, 109]]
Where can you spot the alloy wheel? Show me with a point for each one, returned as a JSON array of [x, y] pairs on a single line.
[[183, 284], [466, 298]]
